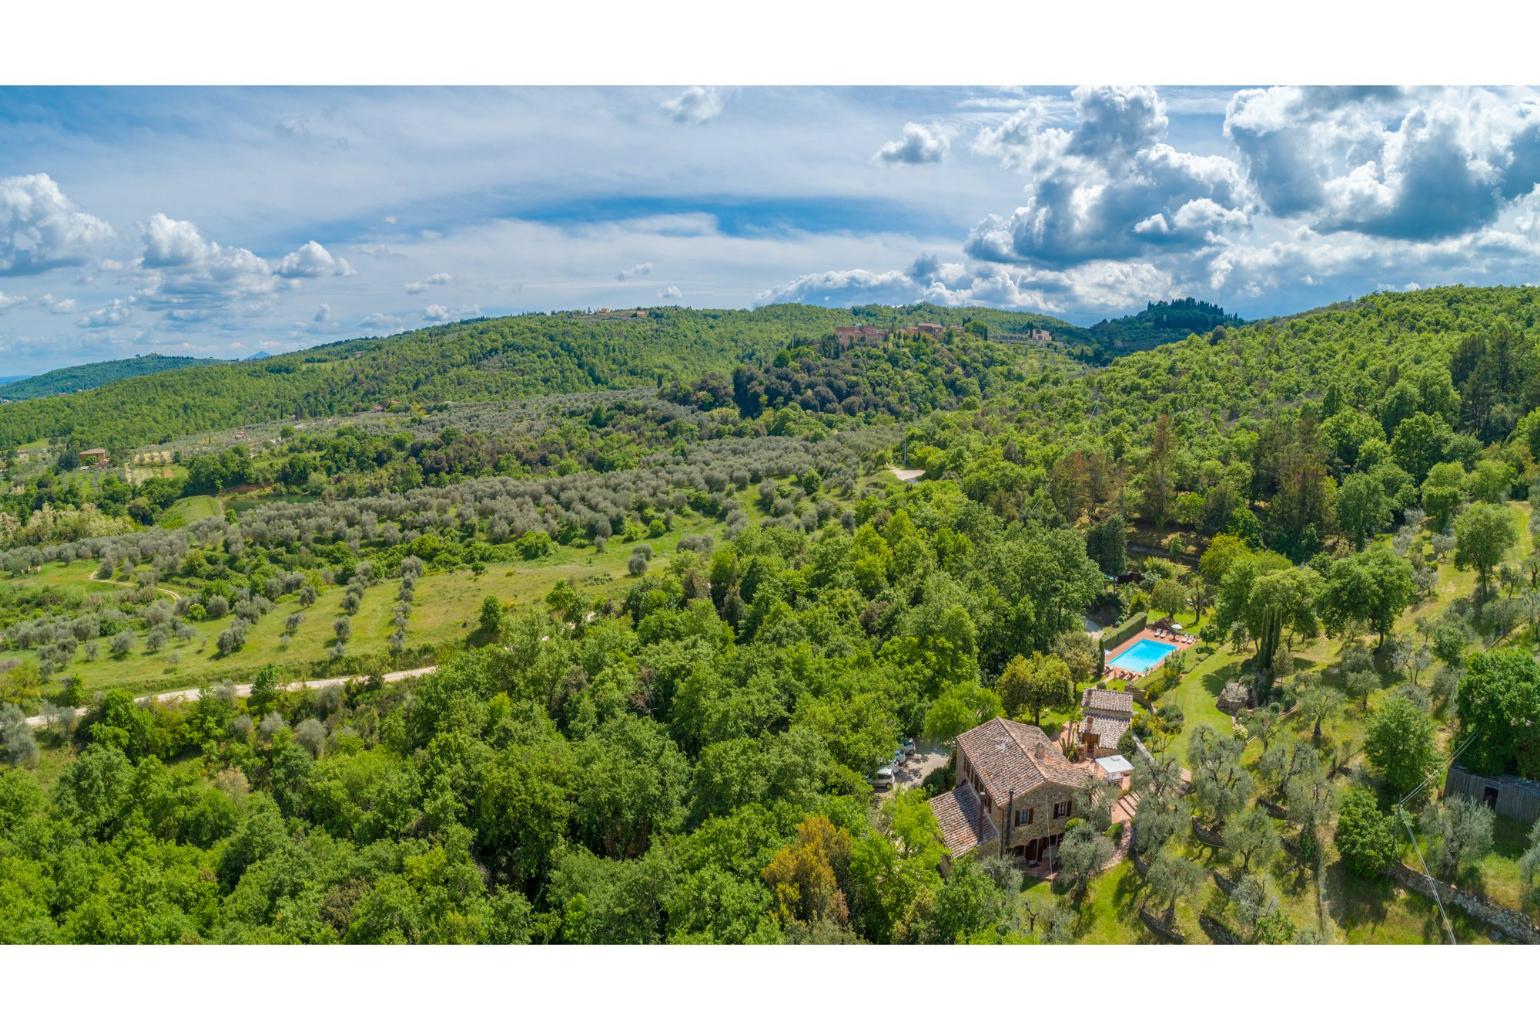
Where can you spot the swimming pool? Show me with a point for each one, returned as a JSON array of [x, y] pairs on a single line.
[[1143, 656]]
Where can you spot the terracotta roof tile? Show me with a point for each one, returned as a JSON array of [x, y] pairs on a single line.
[[958, 813], [1112, 701], [1015, 757], [1108, 729]]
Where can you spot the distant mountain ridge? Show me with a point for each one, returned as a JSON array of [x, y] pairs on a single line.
[[89, 376]]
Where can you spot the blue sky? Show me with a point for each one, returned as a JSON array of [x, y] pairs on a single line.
[[227, 221]]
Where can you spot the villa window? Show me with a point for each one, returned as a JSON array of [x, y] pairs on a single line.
[[1061, 809], [1023, 817]]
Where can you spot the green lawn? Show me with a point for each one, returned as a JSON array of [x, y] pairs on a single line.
[[1110, 912], [72, 575], [1378, 912], [1357, 910], [1200, 685], [1498, 875], [1198, 694], [187, 510]]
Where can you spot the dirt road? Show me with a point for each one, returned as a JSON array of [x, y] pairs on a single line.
[[244, 689]]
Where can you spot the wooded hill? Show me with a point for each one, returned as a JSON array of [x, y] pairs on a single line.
[[92, 375], [479, 360], [1160, 322]]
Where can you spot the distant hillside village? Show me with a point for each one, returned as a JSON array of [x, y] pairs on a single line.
[[852, 333]]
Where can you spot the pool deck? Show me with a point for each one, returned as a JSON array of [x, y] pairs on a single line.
[[1133, 641]]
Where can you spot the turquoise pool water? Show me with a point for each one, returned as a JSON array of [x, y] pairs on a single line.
[[1143, 656]]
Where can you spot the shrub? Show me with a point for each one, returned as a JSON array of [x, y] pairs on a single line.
[[490, 622], [535, 544], [1366, 837]]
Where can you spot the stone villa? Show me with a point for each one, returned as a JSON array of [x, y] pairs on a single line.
[[1015, 793]]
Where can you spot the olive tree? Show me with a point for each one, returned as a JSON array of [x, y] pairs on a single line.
[[1082, 854], [1171, 878], [1459, 831], [1221, 786]]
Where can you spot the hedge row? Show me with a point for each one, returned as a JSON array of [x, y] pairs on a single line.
[[1111, 641]]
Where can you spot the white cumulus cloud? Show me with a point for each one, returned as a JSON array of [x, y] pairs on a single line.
[[41, 228], [55, 305], [1412, 164], [695, 106], [190, 278], [844, 287], [436, 279], [312, 261], [920, 144], [439, 313], [114, 312], [1110, 188]]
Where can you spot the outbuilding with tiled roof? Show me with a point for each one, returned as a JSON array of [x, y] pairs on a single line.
[[1106, 716]]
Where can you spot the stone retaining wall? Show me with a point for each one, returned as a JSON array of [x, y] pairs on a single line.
[[1504, 922], [1207, 836], [1160, 929], [1219, 932]]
